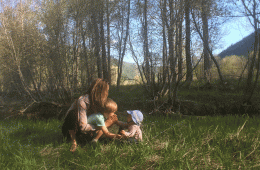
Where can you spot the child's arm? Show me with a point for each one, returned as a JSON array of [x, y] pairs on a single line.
[[114, 120], [130, 133], [108, 134], [109, 122], [99, 134]]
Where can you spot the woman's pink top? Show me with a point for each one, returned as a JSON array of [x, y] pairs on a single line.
[[83, 103]]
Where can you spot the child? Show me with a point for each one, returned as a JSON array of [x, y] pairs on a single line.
[[134, 119], [111, 118]]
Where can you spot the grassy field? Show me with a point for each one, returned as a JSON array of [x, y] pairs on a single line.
[[170, 142]]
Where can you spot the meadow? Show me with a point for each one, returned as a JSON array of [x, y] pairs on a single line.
[[171, 141]]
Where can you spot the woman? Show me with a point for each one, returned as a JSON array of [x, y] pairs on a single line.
[[93, 101]]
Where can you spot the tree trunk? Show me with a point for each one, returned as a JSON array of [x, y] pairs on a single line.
[[165, 58], [252, 60], [75, 54], [205, 42], [210, 53], [85, 53], [172, 79], [104, 59], [165, 70], [249, 88], [122, 55], [189, 76], [180, 42], [96, 37], [108, 42], [146, 49], [136, 61]]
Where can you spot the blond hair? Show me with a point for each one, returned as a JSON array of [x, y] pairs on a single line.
[[110, 105]]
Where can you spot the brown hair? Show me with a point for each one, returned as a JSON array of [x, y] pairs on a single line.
[[110, 105], [98, 92]]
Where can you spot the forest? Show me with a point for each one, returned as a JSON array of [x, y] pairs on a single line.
[[200, 110], [51, 50]]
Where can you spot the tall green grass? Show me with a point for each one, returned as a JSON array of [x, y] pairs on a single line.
[[170, 142]]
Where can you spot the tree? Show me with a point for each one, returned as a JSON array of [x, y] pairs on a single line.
[[54, 23], [103, 40], [108, 40], [252, 14], [189, 76], [179, 41], [95, 12], [164, 52], [206, 13], [22, 48], [147, 70], [210, 53], [123, 33], [204, 16]]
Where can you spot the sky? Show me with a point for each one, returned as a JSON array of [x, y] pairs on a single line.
[[234, 30]]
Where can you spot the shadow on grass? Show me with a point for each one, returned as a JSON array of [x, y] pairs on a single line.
[[37, 135]]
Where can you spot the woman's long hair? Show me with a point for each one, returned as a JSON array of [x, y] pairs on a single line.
[[98, 92]]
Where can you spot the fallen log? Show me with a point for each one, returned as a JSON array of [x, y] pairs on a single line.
[[44, 110]]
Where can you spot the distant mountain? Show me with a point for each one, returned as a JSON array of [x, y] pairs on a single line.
[[129, 70], [240, 48]]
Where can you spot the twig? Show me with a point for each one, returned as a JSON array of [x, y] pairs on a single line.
[[78, 164], [22, 111], [241, 128], [255, 166], [43, 166], [252, 151], [11, 116], [156, 108]]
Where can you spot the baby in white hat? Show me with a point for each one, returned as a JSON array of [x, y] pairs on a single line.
[[134, 120]]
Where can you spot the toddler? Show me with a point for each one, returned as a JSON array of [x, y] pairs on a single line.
[[134, 120], [109, 115]]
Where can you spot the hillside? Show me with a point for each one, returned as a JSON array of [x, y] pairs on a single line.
[[240, 48], [129, 70], [129, 73]]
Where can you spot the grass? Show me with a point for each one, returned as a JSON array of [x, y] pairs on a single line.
[[170, 142]]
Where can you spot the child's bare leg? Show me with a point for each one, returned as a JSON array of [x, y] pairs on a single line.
[[73, 140], [99, 134], [108, 123]]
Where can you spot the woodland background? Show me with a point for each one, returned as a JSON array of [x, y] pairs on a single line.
[[51, 50], [201, 111]]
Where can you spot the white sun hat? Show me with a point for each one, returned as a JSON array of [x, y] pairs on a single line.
[[137, 116]]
